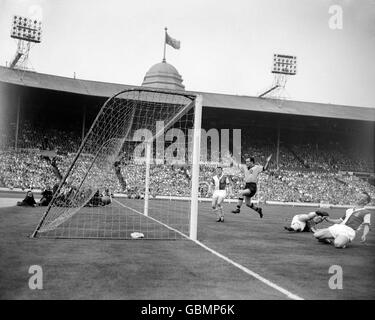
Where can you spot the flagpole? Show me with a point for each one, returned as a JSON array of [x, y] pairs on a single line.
[[165, 43]]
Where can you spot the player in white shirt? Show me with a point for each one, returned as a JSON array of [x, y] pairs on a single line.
[[306, 222], [251, 172], [344, 229], [219, 184]]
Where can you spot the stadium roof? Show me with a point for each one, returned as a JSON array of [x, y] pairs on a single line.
[[215, 100]]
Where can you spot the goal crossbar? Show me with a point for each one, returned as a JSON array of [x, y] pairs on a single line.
[[176, 117]]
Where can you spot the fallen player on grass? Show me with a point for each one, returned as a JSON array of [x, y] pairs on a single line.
[[343, 230], [306, 222]]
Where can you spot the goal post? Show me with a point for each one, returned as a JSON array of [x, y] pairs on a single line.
[[195, 168], [130, 174], [147, 178]]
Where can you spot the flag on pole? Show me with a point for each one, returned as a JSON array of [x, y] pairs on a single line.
[[172, 42]]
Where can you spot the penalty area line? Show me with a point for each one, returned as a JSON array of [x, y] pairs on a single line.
[[269, 283]]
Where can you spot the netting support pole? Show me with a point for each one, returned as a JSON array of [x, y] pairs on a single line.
[[195, 168], [278, 145], [17, 123], [147, 180]]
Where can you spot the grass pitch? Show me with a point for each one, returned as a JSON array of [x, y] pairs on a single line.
[[139, 269]]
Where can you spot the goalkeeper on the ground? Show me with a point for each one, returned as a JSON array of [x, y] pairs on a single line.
[[306, 222]]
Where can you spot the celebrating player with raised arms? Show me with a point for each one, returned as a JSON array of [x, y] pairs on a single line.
[[251, 172], [220, 183], [306, 222]]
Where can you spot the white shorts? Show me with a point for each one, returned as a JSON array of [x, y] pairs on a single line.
[[342, 230], [219, 195], [297, 225]]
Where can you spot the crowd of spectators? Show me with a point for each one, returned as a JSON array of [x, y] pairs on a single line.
[[327, 157], [305, 172], [309, 157], [34, 137], [29, 170], [313, 186]]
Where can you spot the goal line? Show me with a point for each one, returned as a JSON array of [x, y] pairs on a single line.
[[269, 283]]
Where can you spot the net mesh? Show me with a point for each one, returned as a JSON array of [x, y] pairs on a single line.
[[103, 192]]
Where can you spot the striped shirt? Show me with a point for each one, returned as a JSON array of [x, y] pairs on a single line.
[[220, 182]]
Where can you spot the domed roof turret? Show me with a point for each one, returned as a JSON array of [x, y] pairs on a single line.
[[163, 75]]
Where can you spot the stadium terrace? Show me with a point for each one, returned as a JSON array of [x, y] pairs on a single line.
[[331, 145]]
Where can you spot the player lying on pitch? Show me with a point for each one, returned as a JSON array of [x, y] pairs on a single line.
[[306, 222], [344, 229], [251, 172], [219, 184]]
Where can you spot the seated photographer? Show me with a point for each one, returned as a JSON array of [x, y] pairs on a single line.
[[29, 200], [47, 196]]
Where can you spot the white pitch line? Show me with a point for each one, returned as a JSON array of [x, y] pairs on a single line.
[[237, 265]]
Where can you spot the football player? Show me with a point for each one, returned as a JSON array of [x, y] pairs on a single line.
[[251, 172], [344, 229], [306, 222], [220, 183]]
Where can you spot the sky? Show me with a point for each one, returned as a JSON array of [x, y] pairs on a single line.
[[226, 46]]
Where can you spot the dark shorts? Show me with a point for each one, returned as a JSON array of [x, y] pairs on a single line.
[[252, 187]]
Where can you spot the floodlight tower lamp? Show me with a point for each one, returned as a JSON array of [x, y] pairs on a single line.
[[283, 67], [26, 31]]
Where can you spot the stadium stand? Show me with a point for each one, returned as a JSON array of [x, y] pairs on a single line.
[[292, 182], [317, 149]]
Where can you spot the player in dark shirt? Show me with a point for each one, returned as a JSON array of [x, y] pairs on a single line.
[[251, 174]]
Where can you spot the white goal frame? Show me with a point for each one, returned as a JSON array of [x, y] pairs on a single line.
[[196, 103]]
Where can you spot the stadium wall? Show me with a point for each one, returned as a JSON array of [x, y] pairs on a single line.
[[274, 203]]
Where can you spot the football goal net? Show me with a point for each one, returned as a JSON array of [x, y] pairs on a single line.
[[136, 173]]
